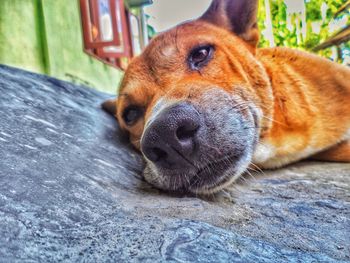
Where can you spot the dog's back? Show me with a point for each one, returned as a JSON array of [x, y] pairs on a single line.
[[312, 104]]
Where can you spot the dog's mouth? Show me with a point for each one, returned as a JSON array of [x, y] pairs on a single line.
[[213, 174], [208, 178]]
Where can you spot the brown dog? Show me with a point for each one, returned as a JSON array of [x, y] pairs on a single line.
[[202, 103]]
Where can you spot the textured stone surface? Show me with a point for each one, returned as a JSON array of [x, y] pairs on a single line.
[[70, 190]]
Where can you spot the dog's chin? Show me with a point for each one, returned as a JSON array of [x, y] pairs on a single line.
[[221, 174], [208, 179]]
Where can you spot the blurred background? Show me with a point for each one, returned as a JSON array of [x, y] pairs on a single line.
[[91, 42]]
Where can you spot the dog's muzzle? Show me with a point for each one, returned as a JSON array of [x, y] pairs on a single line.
[[199, 146]]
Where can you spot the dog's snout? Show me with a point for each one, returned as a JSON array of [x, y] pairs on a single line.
[[169, 141]]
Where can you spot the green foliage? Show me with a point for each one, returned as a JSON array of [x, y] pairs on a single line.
[[151, 32], [291, 35]]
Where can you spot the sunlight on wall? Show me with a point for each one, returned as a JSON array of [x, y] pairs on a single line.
[[165, 14], [296, 15]]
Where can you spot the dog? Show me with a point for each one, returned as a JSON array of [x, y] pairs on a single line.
[[202, 103]]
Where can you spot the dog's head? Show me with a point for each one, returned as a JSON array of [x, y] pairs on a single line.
[[191, 101]]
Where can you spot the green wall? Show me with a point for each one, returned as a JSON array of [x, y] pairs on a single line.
[[20, 43], [45, 36]]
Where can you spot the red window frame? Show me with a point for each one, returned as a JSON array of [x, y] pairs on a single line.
[[98, 48]]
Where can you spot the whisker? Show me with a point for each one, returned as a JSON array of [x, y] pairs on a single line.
[[252, 176], [187, 179], [244, 179], [270, 119], [258, 168], [255, 127]]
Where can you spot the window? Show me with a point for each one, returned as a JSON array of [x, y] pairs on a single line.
[[135, 33], [106, 31]]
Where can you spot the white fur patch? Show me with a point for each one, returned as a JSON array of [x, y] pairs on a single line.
[[347, 135], [280, 161], [263, 152], [169, 51]]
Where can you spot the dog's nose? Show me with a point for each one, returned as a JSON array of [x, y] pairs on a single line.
[[169, 141]]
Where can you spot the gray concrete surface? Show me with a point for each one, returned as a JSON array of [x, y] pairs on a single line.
[[71, 191]]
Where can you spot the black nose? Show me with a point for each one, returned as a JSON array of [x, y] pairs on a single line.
[[169, 141]]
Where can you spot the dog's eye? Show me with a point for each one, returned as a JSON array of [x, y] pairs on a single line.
[[131, 115], [200, 56]]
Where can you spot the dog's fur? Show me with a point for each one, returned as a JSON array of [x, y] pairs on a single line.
[[291, 105]]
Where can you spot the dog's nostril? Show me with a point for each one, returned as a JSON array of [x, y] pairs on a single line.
[[158, 154], [184, 132]]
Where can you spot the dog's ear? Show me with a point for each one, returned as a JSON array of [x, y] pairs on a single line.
[[110, 106], [238, 16]]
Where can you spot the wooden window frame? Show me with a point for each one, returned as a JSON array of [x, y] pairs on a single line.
[[97, 47]]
